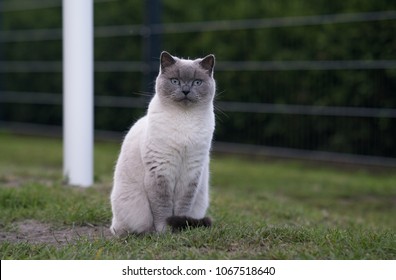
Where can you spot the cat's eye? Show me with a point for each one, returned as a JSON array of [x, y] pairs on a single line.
[[175, 81], [197, 82]]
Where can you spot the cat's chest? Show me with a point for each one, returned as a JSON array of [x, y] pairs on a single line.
[[182, 139], [184, 129], [179, 138]]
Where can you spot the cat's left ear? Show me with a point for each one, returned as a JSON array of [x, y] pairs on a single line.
[[166, 60], [208, 63]]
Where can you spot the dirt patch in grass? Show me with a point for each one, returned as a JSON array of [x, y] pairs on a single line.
[[36, 232]]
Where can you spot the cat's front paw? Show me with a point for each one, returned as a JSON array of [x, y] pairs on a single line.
[[160, 227]]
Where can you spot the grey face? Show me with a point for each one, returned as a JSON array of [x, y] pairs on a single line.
[[186, 82]]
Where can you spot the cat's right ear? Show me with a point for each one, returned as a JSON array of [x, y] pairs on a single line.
[[166, 60]]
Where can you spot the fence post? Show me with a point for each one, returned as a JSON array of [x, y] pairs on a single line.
[[78, 92], [2, 58]]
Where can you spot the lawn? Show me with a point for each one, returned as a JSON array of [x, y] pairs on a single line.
[[262, 209]]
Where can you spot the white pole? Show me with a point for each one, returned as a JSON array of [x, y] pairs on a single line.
[[78, 92]]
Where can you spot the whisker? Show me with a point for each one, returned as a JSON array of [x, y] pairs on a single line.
[[217, 107], [222, 113], [143, 93]]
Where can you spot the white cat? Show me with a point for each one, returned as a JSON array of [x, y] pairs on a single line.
[[161, 177]]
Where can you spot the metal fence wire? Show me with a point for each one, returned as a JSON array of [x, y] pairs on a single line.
[[265, 106]]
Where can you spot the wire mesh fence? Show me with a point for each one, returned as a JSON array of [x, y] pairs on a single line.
[[277, 95]]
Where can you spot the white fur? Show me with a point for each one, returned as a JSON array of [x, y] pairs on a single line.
[[178, 139]]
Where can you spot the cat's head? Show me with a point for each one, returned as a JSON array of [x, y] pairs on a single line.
[[186, 82]]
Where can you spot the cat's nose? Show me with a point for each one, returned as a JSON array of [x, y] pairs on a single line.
[[186, 90]]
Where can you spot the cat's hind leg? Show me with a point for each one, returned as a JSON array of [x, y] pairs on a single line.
[[131, 213]]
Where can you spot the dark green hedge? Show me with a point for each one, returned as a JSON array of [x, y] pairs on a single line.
[[375, 88]]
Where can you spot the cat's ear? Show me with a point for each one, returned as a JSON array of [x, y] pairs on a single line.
[[207, 63], [166, 60]]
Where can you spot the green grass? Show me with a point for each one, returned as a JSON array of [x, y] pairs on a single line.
[[261, 209]]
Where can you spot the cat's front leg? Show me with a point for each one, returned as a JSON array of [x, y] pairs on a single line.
[[160, 197], [185, 197]]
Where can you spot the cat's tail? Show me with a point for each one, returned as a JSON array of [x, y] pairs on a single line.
[[178, 223]]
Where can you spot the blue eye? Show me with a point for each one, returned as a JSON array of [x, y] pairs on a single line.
[[175, 81], [197, 82]]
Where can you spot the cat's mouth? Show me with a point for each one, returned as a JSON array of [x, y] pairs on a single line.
[[185, 100]]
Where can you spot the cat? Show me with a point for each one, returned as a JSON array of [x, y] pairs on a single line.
[[161, 178]]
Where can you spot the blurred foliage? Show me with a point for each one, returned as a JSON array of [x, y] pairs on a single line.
[[372, 40]]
